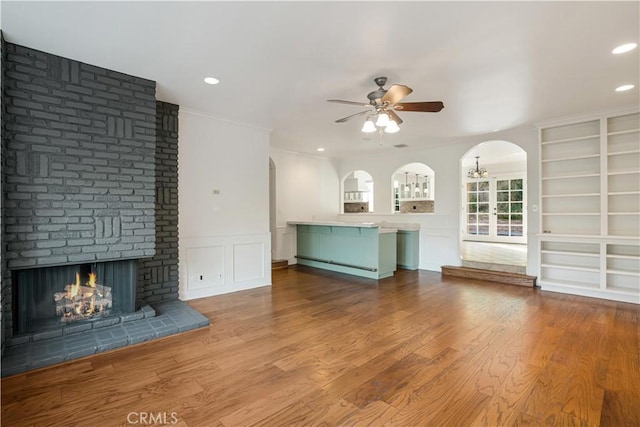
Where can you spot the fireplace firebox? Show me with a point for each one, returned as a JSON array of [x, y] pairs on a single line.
[[51, 297]]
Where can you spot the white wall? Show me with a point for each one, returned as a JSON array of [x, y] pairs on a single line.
[[307, 188], [223, 187], [440, 231]]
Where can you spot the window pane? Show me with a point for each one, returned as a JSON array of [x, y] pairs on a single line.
[[503, 207], [483, 186], [472, 207], [483, 197], [502, 185], [516, 196], [483, 207], [516, 231], [472, 219], [516, 184], [503, 219], [503, 230], [516, 207], [503, 196], [473, 197], [472, 229], [472, 186], [483, 219], [516, 219], [483, 230]]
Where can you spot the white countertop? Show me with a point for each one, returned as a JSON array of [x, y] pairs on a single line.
[[336, 224], [383, 226]]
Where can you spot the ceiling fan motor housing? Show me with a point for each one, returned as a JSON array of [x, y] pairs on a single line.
[[376, 95]]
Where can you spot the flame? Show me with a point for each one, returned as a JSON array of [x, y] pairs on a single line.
[[92, 280], [74, 289]]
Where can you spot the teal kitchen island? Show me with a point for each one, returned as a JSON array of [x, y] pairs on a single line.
[[366, 250]]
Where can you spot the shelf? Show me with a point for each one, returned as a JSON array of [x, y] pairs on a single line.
[[577, 138], [561, 159], [549, 196], [624, 193], [569, 267], [585, 254], [585, 175], [623, 132], [629, 172], [624, 213], [624, 273], [571, 213], [569, 283], [622, 153], [631, 257]]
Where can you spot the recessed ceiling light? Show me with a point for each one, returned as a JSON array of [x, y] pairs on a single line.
[[495, 130], [624, 48], [211, 80], [320, 149], [624, 87]]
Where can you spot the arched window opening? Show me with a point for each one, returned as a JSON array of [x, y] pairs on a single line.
[[413, 189], [357, 194]]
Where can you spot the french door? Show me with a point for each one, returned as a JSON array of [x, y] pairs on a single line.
[[495, 209]]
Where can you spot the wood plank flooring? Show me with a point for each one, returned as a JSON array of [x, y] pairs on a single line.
[[322, 348]]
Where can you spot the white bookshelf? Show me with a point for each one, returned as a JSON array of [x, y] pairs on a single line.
[[590, 206]]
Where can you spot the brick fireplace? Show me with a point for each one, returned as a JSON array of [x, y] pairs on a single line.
[[89, 175]]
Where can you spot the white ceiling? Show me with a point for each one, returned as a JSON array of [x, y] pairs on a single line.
[[497, 65]]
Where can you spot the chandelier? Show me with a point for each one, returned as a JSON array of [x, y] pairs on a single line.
[[382, 123], [478, 172]]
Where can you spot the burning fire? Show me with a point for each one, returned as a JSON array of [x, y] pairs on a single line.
[[83, 301]]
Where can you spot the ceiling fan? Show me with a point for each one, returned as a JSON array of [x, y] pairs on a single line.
[[383, 102]]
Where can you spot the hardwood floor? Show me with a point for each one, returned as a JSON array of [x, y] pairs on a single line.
[[321, 348]]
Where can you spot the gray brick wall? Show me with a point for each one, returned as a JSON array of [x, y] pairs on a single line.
[[158, 276], [79, 161], [78, 169], [2, 257]]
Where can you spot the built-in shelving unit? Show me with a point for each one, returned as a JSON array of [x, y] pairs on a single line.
[[590, 206]]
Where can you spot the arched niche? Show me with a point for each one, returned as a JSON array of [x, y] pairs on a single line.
[[413, 187], [357, 192]]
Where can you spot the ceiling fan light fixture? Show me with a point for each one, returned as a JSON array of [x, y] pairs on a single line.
[[624, 88], [382, 120], [369, 126], [624, 48], [392, 127]]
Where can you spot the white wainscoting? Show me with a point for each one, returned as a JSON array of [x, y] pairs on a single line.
[[222, 264], [286, 243]]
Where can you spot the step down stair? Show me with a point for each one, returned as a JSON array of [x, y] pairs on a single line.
[[489, 275], [278, 264]]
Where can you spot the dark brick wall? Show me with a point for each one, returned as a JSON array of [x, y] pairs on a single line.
[[85, 171], [79, 161], [158, 276]]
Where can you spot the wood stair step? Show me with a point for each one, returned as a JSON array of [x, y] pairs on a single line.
[[489, 275], [278, 264]]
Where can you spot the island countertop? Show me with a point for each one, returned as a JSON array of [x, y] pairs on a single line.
[[383, 225], [336, 224]]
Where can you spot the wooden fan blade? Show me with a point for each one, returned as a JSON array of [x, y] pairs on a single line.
[[425, 107], [396, 93], [396, 118], [344, 119], [339, 101]]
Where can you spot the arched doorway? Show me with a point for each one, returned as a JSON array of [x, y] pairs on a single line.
[[493, 232]]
